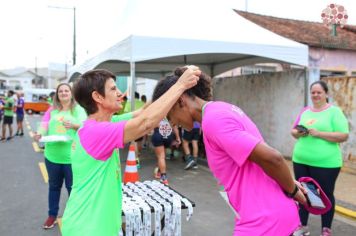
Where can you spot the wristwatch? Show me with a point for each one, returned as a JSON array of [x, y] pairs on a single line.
[[292, 195]]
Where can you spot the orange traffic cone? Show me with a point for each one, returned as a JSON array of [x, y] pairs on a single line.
[[131, 174]]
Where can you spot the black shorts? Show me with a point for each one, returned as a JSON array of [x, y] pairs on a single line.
[[8, 120], [158, 140], [19, 117], [191, 135]]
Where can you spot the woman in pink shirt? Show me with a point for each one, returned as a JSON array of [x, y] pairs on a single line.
[[255, 176]]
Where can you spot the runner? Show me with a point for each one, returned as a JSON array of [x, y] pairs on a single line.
[[255, 176]]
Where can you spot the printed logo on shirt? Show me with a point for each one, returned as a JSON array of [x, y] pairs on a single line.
[[310, 122], [237, 110], [60, 129], [164, 128]]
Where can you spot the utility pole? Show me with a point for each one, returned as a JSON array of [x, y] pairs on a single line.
[[74, 38], [74, 30]]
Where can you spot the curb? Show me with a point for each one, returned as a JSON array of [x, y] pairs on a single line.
[[345, 212]]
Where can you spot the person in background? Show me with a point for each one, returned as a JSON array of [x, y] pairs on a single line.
[[163, 138], [8, 116], [94, 206], [51, 97], [255, 176], [2, 103], [20, 113], [63, 118], [145, 141], [317, 152], [192, 136]]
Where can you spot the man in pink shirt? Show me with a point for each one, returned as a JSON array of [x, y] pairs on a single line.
[[255, 176]]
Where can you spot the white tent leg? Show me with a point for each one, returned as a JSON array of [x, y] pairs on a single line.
[[133, 85]]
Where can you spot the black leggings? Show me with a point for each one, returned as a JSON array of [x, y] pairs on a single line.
[[326, 177]]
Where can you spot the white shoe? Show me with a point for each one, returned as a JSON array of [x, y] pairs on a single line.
[[302, 231]]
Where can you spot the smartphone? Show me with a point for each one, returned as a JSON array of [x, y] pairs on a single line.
[[313, 196], [301, 129]]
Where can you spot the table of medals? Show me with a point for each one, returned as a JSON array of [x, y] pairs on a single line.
[[152, 208]]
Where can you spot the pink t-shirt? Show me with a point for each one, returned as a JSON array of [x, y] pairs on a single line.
[[99, 139], [229, 138]]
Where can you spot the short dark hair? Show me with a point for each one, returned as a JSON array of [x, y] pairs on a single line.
[[137, 95], [144, 98], [202, 89], [11, 92], [93, 80]]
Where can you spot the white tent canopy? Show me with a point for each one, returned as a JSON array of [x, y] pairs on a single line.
[[158, 36]]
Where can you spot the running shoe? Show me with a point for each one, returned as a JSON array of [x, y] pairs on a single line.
[[302, 231]]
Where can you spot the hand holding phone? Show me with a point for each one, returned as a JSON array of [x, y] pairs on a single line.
[[313, 196], [302, 129]]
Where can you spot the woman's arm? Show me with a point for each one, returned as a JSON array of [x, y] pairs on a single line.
[[176, 132], [274, 165], [154, 113], [336, 137]]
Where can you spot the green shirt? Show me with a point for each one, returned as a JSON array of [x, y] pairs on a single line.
[[138, 105], [316, 151], [59, 152], [95, 203], [9, 103]]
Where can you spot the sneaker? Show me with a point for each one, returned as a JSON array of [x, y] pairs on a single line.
[[190, 163], [164, 179], [50, 222], [326, 232], [195, 166], [156, 173], [302, 231], [21, 134]]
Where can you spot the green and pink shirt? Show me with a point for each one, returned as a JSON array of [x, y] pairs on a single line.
[[316, 151], [52, 124], [95, 203]]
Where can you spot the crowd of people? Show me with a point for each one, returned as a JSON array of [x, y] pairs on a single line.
[[95, 117], [11, 107]]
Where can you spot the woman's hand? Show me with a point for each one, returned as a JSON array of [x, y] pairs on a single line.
[[178, 142], [300, 197], [190, 77], [37, 136], [314, 132], [67, 124]]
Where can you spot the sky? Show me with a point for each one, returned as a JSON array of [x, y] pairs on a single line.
[[36, 34]]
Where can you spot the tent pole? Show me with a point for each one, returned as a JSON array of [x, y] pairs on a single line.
[[133, 84]]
